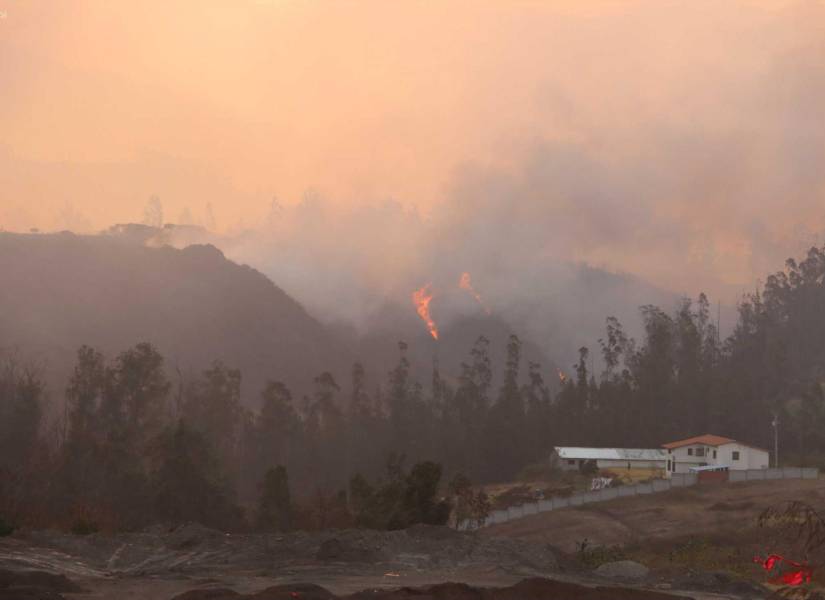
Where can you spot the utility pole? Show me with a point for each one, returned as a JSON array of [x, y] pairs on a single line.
[[775, 424]]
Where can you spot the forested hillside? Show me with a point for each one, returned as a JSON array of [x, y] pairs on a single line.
[[681, 379], [136, 444]]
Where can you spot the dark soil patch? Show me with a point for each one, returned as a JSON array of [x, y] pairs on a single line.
[[731, 506], [36, 580], [529, 589], [209, 594]]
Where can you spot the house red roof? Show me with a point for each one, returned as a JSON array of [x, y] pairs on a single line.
[[707, 439]]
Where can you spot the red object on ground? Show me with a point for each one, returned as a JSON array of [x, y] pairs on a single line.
[[782, 570]]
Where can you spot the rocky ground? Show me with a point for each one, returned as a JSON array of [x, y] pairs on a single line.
[[191, 562], [694, 543]]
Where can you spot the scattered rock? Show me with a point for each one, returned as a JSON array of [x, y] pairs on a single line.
[[191, 535], [623, 569]]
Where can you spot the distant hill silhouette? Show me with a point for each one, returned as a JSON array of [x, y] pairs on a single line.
[[63, 290], [113, 290]]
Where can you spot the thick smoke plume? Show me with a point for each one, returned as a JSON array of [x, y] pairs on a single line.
[[680, 145]]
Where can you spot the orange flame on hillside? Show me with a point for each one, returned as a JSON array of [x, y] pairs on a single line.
[[421, 298], [562, 376], [466, 284]]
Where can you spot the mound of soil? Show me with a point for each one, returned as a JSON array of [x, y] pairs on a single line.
[[337, 550], [529, 589], [29, 594], [35, 585], [36, 580], [302, 591], [209, 594], [623, 569]]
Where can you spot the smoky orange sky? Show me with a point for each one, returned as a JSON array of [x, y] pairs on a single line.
[[679, 141]]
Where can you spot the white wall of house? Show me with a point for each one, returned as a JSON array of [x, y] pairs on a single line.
[[736, 456], [749, 458], [571, 464]]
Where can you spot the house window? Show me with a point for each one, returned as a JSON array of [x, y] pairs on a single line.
[[571, 462], [735, 455], [700, 451], [714, 454], [690, 451], [669, 451], [668, 464]]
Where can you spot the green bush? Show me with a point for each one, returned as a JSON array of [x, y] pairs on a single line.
[[594, 556], [401, 500], [84, 526], [6, 528], [275, 505]]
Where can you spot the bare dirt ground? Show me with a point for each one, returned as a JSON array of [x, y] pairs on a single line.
[[711, 527], [161, 563], [699, 539], [701, 509]]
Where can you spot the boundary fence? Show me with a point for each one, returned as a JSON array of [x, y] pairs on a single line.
[[676, 480]]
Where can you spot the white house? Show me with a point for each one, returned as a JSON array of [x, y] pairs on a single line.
[[713, 450], [571, 458]]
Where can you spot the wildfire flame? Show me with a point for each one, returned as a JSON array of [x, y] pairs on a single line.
[[562, 376], [421, 298], [466, 284]]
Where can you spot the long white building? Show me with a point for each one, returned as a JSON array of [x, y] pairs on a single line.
[[569, 458]]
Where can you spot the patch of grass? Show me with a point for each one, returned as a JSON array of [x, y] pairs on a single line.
[[733, 555], [591, 556]]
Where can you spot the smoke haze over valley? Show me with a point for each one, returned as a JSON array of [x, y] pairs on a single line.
[[680, 145]]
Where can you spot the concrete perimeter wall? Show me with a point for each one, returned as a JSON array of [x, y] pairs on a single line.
[[677, 480]]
